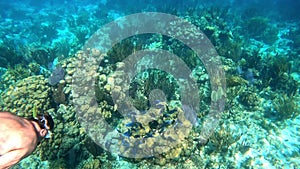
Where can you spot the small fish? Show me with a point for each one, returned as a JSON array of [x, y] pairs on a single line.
[[148, 135], [127, 133], [172, 111], [168, 122], [131, 124], [249, 75]]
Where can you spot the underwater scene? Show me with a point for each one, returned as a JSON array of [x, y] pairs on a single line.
[[151, 84]]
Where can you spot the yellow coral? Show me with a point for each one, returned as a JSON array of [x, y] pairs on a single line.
[[25, 95]]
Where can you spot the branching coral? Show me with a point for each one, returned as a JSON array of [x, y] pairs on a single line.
[[277, 75], [286, 107], [221, 140]]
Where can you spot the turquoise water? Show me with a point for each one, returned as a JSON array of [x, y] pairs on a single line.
[[155, 84]]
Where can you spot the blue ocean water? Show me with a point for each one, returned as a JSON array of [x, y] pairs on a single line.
[[256, 122]]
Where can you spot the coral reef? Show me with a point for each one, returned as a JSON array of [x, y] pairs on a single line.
[[14, 74], [9, 55], [286, 107], [277, 74], [232, 81], [24, 95], [41, 55], [159, 118], [220, 141], [59, 164], [249, 99], [260, 28], [91, 164], [259, 53], [65, 139]]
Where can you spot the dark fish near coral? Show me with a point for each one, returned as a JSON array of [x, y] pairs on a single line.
[[127, 133], [57, 75], [190, 114], [249, 75]]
